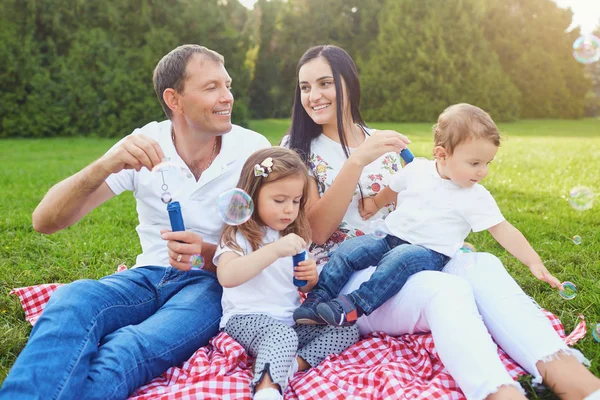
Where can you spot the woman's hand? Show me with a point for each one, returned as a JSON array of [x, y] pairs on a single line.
[[367, 207], [181, 246], [307, 271], [289, 245], [540, 272], [376, 145]]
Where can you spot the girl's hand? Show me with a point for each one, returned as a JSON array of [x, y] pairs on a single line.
[[307, 271], [540, 272], [289, 245], [379, 143], [367, 207], [181, 246]]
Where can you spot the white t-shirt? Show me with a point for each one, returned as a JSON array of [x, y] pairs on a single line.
[[325, 162], [198, 199], [437, 213], [271, 292]]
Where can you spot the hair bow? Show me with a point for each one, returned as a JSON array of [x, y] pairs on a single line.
[[264, 168]]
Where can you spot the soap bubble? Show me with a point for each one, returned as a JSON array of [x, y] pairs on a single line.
[[197, 261], [169, 180], [581, 198], [235, 206], [577, 239], [465, 247], [586, 49], [568, 290], [460, 252], [378, 228], [596, 332]]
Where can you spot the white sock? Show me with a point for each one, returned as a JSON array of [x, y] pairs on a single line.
[[268, 394]]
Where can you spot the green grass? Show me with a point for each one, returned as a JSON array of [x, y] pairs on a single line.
[[537, 165]]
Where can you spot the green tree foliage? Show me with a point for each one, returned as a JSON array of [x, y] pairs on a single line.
[[80, 67], [427, 57], [592, 98], [289, 28], [535, 51], [77, 67], [266, 86]]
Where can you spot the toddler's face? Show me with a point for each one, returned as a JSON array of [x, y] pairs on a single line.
[[469, 163]]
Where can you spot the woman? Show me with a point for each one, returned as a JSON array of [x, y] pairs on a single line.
[[348, 162]]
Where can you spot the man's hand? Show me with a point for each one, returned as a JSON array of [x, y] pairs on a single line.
[[133, 152], [540, 272], [367, 207], [181, 246]]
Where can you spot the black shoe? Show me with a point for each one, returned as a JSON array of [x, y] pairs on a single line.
[[307, 314], [340, 311]]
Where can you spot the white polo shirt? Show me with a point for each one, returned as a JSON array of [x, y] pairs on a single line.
[[271, 292], [198, 199], [437, 213]]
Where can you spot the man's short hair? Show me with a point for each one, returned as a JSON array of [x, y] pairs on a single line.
[[170, 72], [462, 122]]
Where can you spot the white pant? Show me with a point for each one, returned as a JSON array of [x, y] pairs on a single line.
[[451, 305]]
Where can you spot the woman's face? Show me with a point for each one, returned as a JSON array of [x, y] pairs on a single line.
[[317, 91]]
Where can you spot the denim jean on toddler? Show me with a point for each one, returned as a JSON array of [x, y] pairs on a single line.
[[103, 339], [396, 261]]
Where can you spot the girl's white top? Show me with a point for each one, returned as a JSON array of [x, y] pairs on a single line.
[[271, 292], [325, 162]]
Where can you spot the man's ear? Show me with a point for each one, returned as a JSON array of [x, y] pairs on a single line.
[[440, 154], [171, 98]]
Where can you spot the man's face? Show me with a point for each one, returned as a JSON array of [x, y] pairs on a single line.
[[206, 98]]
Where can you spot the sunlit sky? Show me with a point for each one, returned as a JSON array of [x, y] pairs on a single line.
[[586, 13]]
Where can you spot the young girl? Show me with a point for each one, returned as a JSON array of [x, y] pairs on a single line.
[[255, 267]]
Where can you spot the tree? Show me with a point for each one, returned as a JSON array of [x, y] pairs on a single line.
[[429, 56], [535, 51], [592, 98], [77, 67]]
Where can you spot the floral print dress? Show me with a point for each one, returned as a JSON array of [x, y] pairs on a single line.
[[326, 159]]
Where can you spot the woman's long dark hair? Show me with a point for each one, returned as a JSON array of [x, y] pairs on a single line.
[[303, 129]]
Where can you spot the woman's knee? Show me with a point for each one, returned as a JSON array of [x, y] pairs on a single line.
[[475, 266], [453, 289]]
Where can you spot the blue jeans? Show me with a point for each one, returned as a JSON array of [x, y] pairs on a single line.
[[396, 261], [103, 339]]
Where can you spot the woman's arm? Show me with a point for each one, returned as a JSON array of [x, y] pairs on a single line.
[[327, 212]]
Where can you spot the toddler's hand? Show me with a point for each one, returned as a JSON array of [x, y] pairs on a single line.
[[367, 207], [540, 272], [307, 271], [289, 245]]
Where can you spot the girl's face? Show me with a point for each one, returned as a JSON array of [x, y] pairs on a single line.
[[279, 201], [317, 91]]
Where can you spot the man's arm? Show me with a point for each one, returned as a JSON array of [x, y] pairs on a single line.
[[68, 201]]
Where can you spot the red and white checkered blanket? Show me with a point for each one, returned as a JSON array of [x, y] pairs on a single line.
[[377, 367]]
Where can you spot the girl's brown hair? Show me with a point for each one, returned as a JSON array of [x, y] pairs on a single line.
[[286, 163]]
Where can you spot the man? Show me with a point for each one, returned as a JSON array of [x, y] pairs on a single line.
[[103, 339]]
